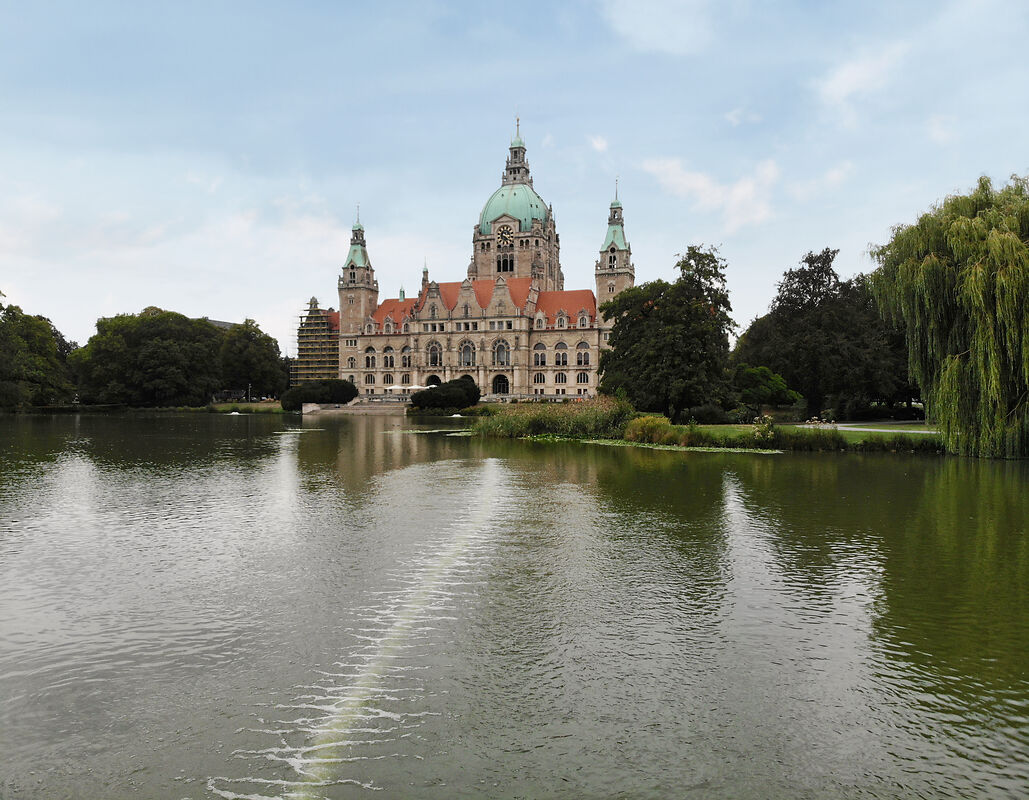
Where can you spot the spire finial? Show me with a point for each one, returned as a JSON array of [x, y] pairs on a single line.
[[616, 187], [518, 126], [358, 213]]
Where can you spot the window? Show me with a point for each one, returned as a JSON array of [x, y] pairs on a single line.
[[369, 360], [501, 354], [387, 379], [432, 311], [510, 324], [350, 378], [467, 310], [582, 377], [369, 328], [407, 327], [387, 358], [389, 327], [539, 355], [435, 354], [582, 355], [350, 300], [560, 355], [369, 379], [561, 322], [351, 343], [539, 323], [584, 321], [492, 325], [466, 354], [560, 378], [353, 275], [610, 288], [405, 379], [425, 327], [539, 377], [351, 363], [405, 357]]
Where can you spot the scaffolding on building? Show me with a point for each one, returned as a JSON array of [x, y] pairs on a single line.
[[317, 345]]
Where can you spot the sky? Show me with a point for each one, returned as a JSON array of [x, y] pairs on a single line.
[[208, 158]]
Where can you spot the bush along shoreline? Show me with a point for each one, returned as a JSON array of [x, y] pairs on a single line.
[[605, 418]]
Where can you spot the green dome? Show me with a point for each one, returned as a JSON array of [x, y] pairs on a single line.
[[518, 200]]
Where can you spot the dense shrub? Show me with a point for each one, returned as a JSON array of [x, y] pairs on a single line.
[[708, 414], [328, 391], [458, 393], [602, 418]]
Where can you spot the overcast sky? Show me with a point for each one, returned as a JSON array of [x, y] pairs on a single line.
[[208, 157]]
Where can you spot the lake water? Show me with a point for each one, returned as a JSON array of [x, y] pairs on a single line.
[[205, 606]]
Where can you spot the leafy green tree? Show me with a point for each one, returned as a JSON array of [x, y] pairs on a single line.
[[250, 358], [958, 279], [827, 340], [670, 341], [32, 366], [154, 358], [759, 386], [461, 392]]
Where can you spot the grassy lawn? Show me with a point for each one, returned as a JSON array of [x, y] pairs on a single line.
[[269, 407], [853, 436]]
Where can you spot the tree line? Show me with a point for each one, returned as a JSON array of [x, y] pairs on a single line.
[[942, 320], [150, 359]]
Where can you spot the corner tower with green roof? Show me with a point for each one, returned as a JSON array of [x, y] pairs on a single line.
[[358, 289], [614, 271], [515, 236]]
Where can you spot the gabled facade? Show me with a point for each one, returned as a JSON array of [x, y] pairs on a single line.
[[510, 324]]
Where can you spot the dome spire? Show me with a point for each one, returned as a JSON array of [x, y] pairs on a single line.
[[517, 168]]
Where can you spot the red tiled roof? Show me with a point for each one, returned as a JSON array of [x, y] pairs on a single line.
[[448, 292], [519, 289], [483, 291], [333, 317], [394, 307], [571, 302]]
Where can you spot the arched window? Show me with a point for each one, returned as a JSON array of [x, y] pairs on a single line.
[[501, 354], [432, 311], [369, 359], [405, 357], [582, 377], [353, 275], [466, 354], [539, 377], [405, 379], [435, 353], [387, 358], [560, 378], [369, 379], [539, 355], [539, 323], [612, 259], [560, 355], [610, 288], [389, 327], [350, 378], [407, 327], [351, 363], [583, 321], [582, 355], [561, 321], [387, 379], [369, 328], [467, 310]]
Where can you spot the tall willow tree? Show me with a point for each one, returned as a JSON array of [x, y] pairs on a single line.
[[959, 281]]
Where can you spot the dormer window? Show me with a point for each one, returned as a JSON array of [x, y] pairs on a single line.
[[583, 321], [539, 323], [561, 322]]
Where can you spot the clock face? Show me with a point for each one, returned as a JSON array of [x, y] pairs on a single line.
[[505, 235]]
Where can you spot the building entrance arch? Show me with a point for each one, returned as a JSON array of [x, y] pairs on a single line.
[[501, 385], [433, 380]]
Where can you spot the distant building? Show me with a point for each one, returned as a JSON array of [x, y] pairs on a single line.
[[510, 324], [317, 345]]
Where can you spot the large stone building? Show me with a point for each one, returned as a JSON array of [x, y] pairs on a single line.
[[510, 324]]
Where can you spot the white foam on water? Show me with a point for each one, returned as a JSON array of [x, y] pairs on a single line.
[[347, 700]]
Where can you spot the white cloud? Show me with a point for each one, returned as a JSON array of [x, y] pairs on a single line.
[[598, 143], [827, 181], [941, 129], [677, 27], [738, 116], [206, 182], [747, 201], [859, 77]]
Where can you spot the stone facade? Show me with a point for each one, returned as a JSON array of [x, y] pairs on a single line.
[[510, 324]]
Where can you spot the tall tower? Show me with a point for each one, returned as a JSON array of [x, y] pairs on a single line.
[[358, 289], [615, 270]]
